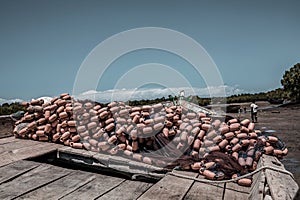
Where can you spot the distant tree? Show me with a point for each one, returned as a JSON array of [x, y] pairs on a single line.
[[7, 109], [5, 105], [291, 81]]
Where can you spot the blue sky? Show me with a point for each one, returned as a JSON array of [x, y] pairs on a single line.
[[43, 43]]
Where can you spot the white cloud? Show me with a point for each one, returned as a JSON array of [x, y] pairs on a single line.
[[9, 101], [46, 99], [152, 93]]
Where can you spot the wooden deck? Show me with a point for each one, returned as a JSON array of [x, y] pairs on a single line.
[[90, 175], [23, 178]]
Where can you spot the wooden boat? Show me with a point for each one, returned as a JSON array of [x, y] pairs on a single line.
[[24, 176]]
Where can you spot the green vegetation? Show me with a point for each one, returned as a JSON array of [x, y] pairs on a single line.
[[291, 82], [278, 94], [7, 109]]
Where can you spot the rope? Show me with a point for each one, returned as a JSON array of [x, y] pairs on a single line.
[[13, 119], [8, 116], [232, 180]]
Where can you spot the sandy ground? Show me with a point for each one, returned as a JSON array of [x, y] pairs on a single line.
[[285, 121]]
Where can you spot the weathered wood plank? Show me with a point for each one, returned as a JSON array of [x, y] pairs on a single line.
[[258, 183], [170, 187], [127, 190], [81, 152], [257, 188], [60, 187], [42, 175], [256, 177], [13, 170], [205, 191], [282, 186], [236, 192], [88, 157], [95, 188], [16, 144], [39, 148], [110, 161], [236, 187], [7, 140], [6, 134], [116, 163]]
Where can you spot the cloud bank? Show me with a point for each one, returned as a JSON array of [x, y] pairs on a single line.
[[153, 93], [145, 93], [9, 101]]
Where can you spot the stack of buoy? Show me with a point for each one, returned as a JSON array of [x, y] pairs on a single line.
[[51, 121], [121, 129]]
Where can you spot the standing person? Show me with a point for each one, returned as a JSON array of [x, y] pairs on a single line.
[[253, 108]]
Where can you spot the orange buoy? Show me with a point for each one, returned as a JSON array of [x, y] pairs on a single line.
[[251, 126], [197, 144], [234, 127], [110, 127], [229, 135], [223, 143], [223, 130], [245, 182], [268, 150], [206, 127], [207, 173], [245, 122]]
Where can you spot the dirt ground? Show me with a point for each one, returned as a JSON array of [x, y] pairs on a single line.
[[285, 121]]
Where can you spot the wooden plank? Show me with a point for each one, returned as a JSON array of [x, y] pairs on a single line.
[[7, 140], [258, 184], [108, 160], [109, 163], [282, 186], [81, 155], [257, 177], [16, 144], [170, 187], [42, 175], [38, 149], [233, 191], [6, 134], [257, 188], [102, 158], [13, 170], [81, 152], [111, 160], [236, 187], [127, 190], [205, 191], [60, 187], [95, 188]]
